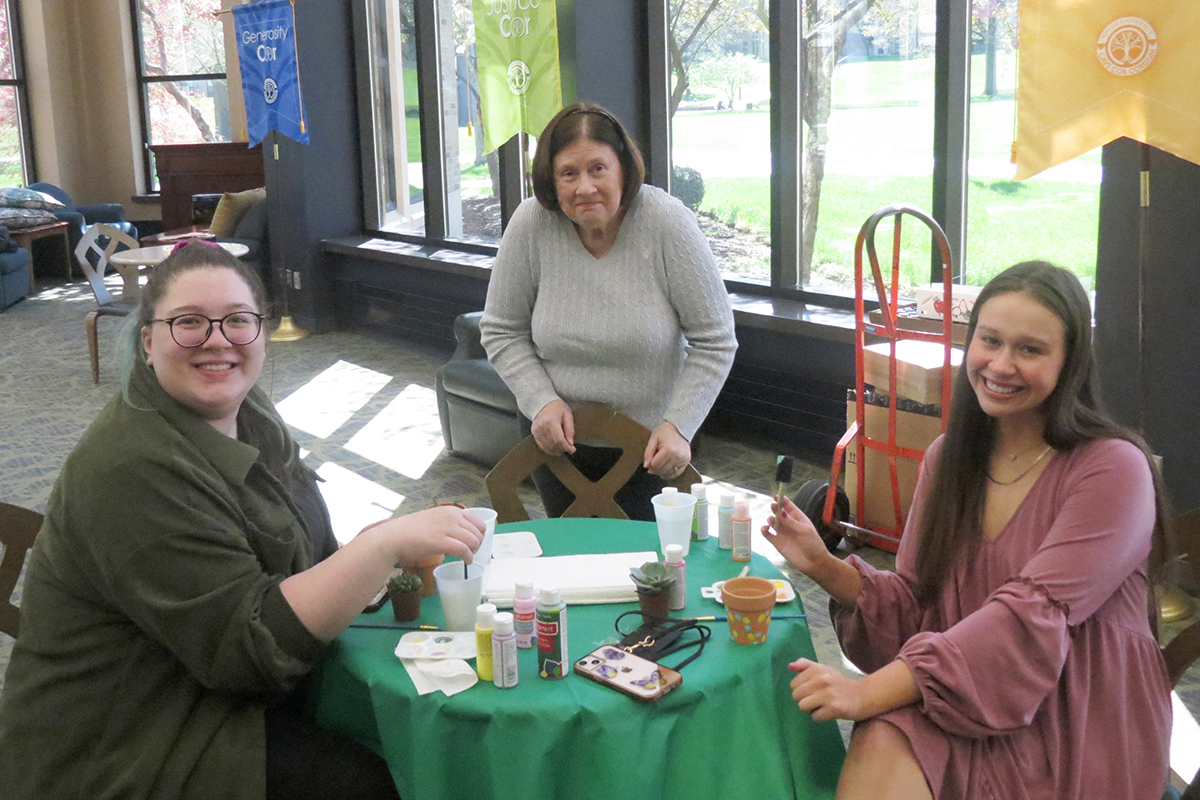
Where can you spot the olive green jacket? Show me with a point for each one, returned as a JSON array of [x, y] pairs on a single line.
[[153, 629]]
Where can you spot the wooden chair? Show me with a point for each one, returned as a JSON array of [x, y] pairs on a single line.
[[100, 242], [592, 499], [18, 528]]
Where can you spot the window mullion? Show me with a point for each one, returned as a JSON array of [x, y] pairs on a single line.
[[786, 218], [952, 107], [432, 117], [658, 158]]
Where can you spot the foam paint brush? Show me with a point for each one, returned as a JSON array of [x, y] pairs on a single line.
[[783, 476]]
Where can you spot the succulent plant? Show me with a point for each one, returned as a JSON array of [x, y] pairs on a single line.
[[403, 583], [652, 578]]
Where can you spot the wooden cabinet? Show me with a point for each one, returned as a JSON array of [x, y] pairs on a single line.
[[188, 169]]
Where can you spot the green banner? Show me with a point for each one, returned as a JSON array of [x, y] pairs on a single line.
[[516, 50]]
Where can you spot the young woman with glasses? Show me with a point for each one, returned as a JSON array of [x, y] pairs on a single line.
[[186, 577]]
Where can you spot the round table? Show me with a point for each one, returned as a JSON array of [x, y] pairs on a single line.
[[129, 263], [730, 730]]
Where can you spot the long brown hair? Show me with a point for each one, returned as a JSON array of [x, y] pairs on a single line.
[[951, 521]]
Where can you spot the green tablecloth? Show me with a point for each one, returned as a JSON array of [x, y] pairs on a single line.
[[730, 731]]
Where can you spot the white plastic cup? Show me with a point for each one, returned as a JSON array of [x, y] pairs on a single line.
[[673, 512], [459, 595], [483, 556]]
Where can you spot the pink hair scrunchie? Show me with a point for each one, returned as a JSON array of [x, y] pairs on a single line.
[[186, 242]]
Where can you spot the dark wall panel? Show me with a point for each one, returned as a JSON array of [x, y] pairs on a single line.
[[611, 54], [315, 190], [1152, 383]]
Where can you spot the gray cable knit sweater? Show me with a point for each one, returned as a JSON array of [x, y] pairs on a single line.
[[647, 329]]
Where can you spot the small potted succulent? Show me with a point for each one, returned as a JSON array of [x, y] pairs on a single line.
[[405, 591], [653, 583]]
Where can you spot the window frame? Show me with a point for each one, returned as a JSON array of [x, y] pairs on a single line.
[[950, 143], [951, 112], [430, 80], [20, 83], [143, 90]]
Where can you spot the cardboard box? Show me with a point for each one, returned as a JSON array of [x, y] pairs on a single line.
[[918, 368], [916, 431], [907, 319], [930, 300]]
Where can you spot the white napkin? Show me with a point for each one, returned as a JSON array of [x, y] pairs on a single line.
[[449, 675], [582, 579]]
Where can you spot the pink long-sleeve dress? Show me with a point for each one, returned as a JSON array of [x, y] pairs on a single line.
[[1038, 673]]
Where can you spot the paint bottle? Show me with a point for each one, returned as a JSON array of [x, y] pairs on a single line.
[[677, 598], [524, 615], [504, 652], [725, 522], [741, 531], [700, 521], [485, 615], [552, 634]]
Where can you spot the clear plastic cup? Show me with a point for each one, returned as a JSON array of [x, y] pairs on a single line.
[[673, 512], [483, 556], [460, 595]]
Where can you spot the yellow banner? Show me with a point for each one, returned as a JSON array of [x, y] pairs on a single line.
[[1094, 70]]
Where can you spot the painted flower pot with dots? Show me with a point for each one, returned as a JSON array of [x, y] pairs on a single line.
[[748, 604]]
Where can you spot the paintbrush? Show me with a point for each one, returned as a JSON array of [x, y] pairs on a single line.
[[783, 476]]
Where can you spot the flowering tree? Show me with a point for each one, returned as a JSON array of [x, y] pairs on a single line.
[[182, 38], [11, 169]]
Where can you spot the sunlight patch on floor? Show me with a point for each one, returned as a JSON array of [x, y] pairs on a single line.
[[406, 436], [330, 399], [1185, 744], [354, 502]]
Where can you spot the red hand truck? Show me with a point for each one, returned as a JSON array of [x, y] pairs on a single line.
[[824, 502]]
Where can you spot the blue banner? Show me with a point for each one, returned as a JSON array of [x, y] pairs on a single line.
[[266, 45]]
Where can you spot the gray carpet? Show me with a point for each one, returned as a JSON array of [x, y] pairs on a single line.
[[364, 411]]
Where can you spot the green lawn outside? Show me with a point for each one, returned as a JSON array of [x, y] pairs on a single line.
[[881, 128]]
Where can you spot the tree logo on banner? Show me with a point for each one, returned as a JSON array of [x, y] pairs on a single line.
[[1127, 46], [518, 77]]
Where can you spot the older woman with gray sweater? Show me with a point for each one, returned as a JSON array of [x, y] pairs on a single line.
[[605, 290]]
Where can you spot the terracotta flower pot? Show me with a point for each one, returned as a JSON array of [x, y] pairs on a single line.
[[425, 570], [654, 605], [748, 603], [407, 606]]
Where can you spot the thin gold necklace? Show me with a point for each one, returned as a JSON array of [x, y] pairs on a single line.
[[1023, 474]]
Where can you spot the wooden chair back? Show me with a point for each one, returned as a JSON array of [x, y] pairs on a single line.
[[592, 499], [90, 244], [18, 528]]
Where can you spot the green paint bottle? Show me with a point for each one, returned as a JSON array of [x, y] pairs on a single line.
[[552, 635]]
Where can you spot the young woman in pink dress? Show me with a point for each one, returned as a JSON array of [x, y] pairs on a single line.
[[1012, 653]]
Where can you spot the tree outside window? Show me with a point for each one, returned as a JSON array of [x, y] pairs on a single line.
[[181, 58], [864, 76], [14, 127]]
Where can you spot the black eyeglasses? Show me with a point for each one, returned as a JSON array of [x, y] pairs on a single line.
[[193, 330]]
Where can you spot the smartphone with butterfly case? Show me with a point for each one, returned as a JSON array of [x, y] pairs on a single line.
[[629, 674]]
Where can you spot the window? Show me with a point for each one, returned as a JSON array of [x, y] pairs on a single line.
[[1052, 216], [181, 74], [394, 182], [872, 102], [424, 167], [16, 149], [719, 106]]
